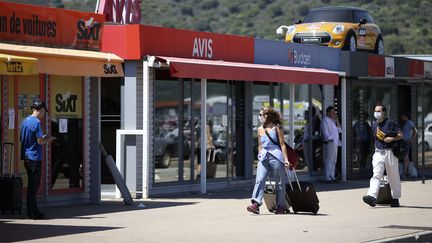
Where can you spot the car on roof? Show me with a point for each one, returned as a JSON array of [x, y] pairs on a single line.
[[347, 28]]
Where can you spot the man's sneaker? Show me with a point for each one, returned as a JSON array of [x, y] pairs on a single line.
[[394, 203], [369, 200], [254, 208]]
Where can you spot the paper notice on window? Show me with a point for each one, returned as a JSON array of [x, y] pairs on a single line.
[[224, 120], [11, 114], [63, 126]]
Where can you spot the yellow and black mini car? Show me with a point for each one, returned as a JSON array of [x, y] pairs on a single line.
[[348, 28]]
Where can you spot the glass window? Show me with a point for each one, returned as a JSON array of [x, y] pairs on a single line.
[[301, 104], [362, 116], [217, 122], [191, 111], [166, 132], [261, 97], [364, 99], [27, 91], [358, 15], [425, 120], [110, 120]]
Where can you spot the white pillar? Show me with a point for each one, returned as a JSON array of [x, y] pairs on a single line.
[[291, 115], [145, 127]]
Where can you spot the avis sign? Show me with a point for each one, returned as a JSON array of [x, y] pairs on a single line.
[[202, 48]]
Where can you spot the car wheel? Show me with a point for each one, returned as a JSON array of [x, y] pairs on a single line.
[[426, 146], [350, 43], [165, 161], [356, 159], [379, 46]]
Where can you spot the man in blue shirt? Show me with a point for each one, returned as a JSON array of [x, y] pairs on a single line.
[[385, 132], [32, 139], [409, 132]]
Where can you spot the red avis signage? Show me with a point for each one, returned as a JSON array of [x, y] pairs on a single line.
[[22, 23], [136, 41], [194, 44]]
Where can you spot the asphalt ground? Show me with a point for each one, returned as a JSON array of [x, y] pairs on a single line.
[[222, 217]]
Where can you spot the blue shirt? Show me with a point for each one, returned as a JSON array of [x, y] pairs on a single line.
[[407, 130], [389, 127], [31, 130]]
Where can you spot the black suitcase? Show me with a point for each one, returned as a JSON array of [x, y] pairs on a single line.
[[270, 197], [10, 185], [384, 193], [302, 196]]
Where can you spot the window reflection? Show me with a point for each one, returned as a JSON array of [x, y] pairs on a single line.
[[364, 100], [425, 121], [166, 132], [261, 97]]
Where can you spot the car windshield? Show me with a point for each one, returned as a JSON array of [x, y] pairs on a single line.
[[329, 16]]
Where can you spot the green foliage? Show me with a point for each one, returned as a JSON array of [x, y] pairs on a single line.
[[405, 23]]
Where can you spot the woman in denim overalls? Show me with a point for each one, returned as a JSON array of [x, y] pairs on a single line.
[[270, 159]]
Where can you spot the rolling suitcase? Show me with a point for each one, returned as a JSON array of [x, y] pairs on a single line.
[[384, 193], [10, 185], [302, 196], [270, 197]]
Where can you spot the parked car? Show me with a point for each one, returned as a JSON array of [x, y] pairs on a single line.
[[427, 137], [348, 28], [166, 147]]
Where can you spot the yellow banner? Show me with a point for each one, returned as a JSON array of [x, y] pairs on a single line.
[[16, 65], [66, 95]]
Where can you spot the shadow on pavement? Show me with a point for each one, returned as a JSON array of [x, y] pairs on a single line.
[[416, 207], [423, 235], [89, 211], [12, 232]]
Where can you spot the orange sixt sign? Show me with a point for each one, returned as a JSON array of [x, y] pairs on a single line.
[[22, 23]]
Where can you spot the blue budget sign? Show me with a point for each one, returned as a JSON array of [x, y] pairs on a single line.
[[296, 55]]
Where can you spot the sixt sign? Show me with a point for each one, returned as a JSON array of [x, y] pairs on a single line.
[[296, 55]]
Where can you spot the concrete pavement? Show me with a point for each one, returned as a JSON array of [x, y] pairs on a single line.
[[222, 217]]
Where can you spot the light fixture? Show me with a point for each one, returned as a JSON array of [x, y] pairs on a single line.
[[280, 31]]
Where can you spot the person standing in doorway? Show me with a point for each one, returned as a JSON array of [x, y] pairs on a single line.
[[32, 139], [385, 132], [330, 128], [409, 135]]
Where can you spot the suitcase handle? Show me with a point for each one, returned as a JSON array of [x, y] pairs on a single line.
[[286, 172], [8, 159]]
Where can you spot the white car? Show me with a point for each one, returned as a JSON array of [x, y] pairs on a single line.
[[427, 137]]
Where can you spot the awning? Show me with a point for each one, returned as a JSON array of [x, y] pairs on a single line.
[[209, 69], [69, 62], [16, 65]]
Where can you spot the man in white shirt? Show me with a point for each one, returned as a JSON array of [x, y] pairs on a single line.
[[330, 128]]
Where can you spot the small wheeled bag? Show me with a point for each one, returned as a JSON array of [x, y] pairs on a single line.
[[384, 193], [302, 195], [270, 197], [10, 185]]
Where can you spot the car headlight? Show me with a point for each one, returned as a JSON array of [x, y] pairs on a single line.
[[291, 29], [338, 29]]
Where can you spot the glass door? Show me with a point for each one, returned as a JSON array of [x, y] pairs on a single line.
[[217, 129]]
